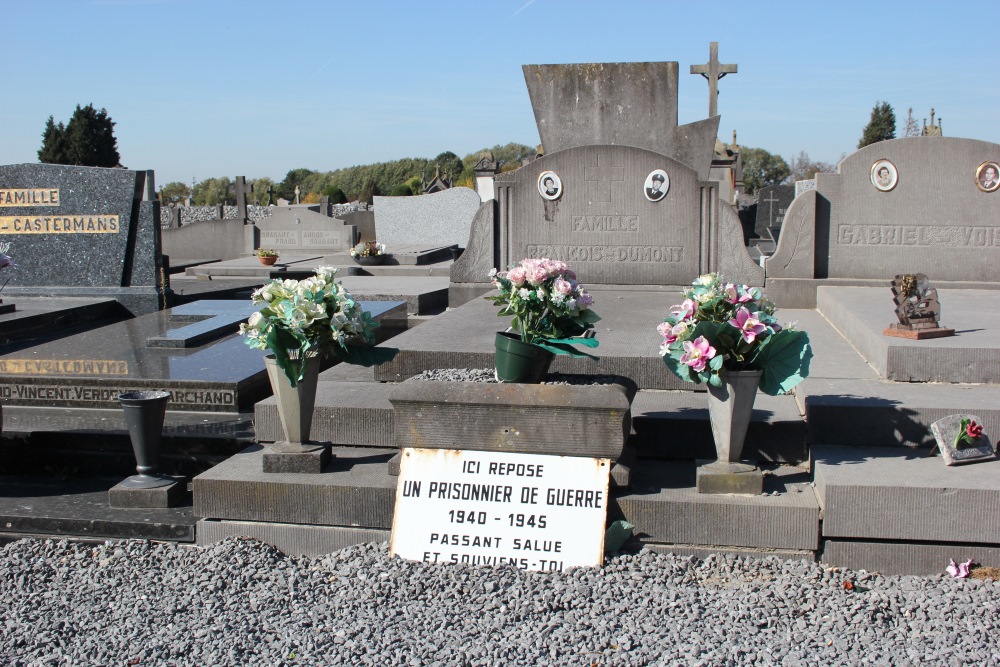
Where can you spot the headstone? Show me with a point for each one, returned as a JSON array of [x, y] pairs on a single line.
[[82, 231], [930, 216], [299, 230], [241, 198], [441, 218], [808, 185], [772, 204]]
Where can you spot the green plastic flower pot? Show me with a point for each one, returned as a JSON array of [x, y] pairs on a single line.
[[517, 361]]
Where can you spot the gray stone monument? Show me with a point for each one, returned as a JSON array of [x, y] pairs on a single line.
[[436, 219], [82, 231], [294, 230], [772, 203]]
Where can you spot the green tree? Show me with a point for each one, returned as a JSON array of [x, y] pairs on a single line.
[[174, 192], [401, 190], [87, 140], [882, 125], [450, 164], [335, 194], [761, 169], [295, 177], [369, 191], [262, 192], [213, 191]]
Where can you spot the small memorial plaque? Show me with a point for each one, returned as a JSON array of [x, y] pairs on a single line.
[[976, 446], [494, 508]]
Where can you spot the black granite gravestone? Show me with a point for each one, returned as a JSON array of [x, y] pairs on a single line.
[[772, 202], [82, 231]]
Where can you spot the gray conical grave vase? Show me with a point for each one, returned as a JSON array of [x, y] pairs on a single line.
[[295, 404], [729, 409], [144, 413]]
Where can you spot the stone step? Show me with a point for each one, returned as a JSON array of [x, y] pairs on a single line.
[[904, 558], [873, 413], [354, 413], [889, 494], [357, 491], [675, 425]]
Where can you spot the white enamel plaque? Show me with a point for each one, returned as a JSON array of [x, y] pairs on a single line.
[[533, 511]]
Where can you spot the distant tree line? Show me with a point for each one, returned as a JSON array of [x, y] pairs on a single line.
[[359, 183]]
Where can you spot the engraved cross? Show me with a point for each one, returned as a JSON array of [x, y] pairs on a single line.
[[601, 176], [713, 71], [770, 209]]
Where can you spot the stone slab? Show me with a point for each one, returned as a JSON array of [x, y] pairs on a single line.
[[78, 507], [422, 294], [801, 292], [125, 497], [717, 477], [666, 508], [209, 320], [972, 355], [346, 413], [703, 552], [41, 318], [278, 459], [300, 230], [925, 560], [675, 425], [291, 539], [438, 218], [563, 420], [355, 489], [874, 413], [250, 267], [893, 494]]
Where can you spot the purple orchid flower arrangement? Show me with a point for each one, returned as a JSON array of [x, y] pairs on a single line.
[[721, 326]]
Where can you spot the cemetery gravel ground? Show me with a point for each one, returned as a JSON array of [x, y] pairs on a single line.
[[241, 602]]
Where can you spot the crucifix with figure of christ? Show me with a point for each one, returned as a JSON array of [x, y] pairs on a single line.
[[713, 71]]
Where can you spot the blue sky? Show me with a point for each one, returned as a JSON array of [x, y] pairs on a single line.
[[206, 88]]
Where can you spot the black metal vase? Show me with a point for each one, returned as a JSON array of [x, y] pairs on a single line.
[[144, 414]]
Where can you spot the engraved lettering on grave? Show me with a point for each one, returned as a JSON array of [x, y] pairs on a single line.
[[62, 224], [10, 197], [946, 236], [271, 238], [607, 253], [64, 366], [321, 238], [37, 392], [599, 177]]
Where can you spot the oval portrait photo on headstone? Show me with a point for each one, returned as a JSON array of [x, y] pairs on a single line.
[[549, 185], [656, 185], [988, 177], [884, 176]]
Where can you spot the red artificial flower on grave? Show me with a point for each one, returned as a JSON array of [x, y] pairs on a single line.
[[974, 430]]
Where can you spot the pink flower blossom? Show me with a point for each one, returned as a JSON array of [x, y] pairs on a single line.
[[516, 276], [974, 430], [686, 310], [697, 354], [733, 294], [561, 286], [585, 300], [749, 326], [535, 275], [959, 570], [664, 329], [672, 333]]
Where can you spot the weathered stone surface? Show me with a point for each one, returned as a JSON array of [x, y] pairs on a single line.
[[291, 539], [706, 551], [947, 428], [479, 257], [925, 560], [603, 225], [971, 356], [347, 413], [566, 420], [667, 509], [795, 255], [934, 221], [121, 496], [733, 261], [354, 490], [297, 230], [722, 477], [894, 494], [439, 218], [282, 457], [873, 413]]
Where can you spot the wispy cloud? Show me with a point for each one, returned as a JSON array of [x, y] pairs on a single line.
[[523, 7]]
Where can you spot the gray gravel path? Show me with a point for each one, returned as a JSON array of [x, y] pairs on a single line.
[[245, 603]]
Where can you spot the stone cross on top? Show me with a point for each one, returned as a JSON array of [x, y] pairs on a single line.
[[713, 71]]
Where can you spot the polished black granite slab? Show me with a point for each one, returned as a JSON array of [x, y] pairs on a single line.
[[90, 369]]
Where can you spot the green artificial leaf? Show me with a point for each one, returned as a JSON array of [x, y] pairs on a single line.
[[716, 362], [362, 355], [683, 371], [784, 361], [588, 317], [281, 341], [565, 346], [715, 380]]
